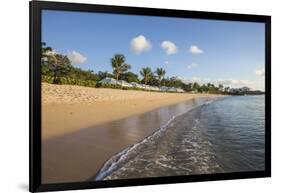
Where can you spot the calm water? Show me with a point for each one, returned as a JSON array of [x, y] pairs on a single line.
[[226, 135]]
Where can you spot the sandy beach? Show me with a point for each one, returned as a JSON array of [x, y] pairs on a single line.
[[82, 127], [67, 108]]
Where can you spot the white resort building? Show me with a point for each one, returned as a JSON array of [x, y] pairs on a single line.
[[141, 86]]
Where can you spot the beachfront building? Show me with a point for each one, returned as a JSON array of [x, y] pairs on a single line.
[[154, 88], [136, 85], [179, 90], [172, 89], [148, 87], [144, 86], [112, 81], [164, 88], [124, 83], [194, 91], [108, 81]]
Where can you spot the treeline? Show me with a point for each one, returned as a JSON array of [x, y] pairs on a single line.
[[57, 69]]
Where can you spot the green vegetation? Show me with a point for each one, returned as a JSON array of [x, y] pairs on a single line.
[[130, 77], [160, 74], [70, 81], [53, 64], [114, 86], [119, 66], [57, 69], [146, 74]]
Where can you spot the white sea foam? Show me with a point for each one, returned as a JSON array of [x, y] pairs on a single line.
[[117, 161], [113, 163]]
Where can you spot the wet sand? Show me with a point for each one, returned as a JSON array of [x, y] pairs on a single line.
[[78, 155]]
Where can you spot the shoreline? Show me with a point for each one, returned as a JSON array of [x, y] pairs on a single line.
[[77, 154], [106, 169], [63, 105]]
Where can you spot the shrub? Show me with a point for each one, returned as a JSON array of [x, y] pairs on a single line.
[[69, 81], [113, 86], [47, 79], [89, 83]]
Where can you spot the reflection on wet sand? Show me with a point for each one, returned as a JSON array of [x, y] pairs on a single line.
[[79, 155]]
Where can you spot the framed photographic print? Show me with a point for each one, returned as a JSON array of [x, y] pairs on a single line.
[[125, 96]]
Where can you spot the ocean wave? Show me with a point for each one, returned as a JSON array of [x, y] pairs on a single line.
[[119, 159]]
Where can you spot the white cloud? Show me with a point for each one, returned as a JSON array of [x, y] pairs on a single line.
[[195, 50], [191, 80], [140, 44], [169, 47], [232, 83], [166, 62], [196, 79], [51, 52], [76, 57], [193, 65], [48, 53], [260, 72]]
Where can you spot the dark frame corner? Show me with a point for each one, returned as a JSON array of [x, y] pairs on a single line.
[[35, 184]]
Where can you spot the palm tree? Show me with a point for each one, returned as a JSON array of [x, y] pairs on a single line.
[[146, 74], [220, 87], [160, 74], [118, 64], [195, 86]]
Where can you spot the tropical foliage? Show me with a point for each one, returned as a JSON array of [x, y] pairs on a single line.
[[57, 69], [130, 77], [160, 74], [147, 74], [119, 66]]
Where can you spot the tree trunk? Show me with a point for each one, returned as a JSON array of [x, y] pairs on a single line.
[[55, 77]]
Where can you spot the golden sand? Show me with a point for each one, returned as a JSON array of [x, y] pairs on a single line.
[[83, 127], [67, 108]]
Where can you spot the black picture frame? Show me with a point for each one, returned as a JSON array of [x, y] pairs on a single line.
[[36, 7]]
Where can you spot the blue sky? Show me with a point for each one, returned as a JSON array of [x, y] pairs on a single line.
[[232, 53]]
